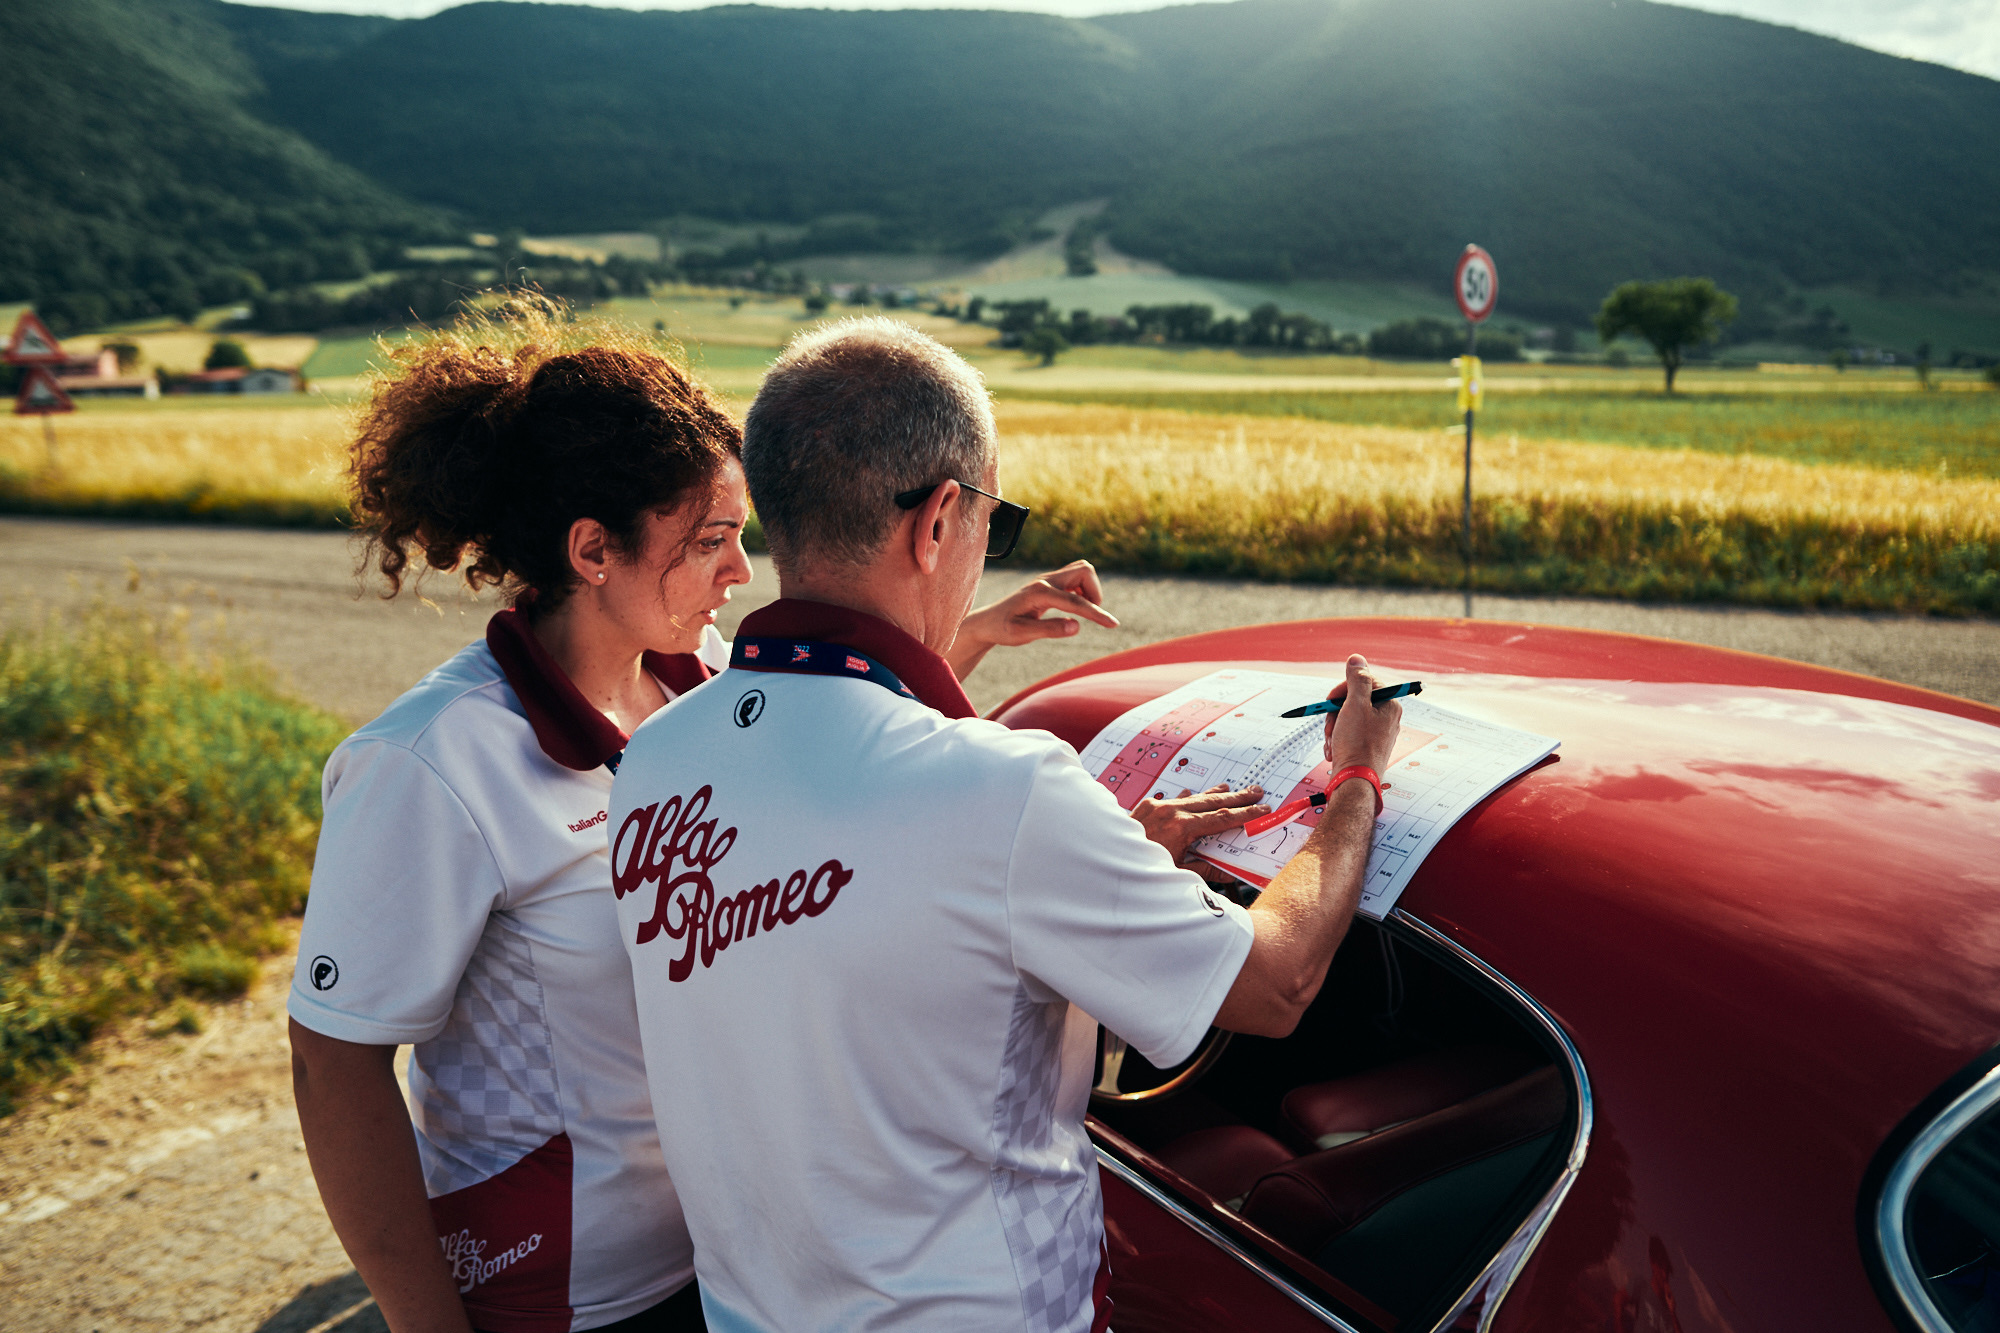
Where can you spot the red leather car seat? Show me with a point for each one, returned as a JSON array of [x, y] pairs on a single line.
[[1316, 1199], [1342, 1110], [1226, 1160]]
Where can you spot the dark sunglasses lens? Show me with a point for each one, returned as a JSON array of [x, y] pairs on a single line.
[[1004, 530]]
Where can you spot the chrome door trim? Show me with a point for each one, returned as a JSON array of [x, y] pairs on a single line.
[[1892, 1210], [1221, 1239], [1497, 1278]]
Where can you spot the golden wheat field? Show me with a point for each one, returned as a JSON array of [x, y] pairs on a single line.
[[1192, 470], [158, 458], [1261, 496]]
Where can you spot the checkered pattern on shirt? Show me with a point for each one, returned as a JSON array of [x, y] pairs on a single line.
[[1043, 1176], [485, 1087]]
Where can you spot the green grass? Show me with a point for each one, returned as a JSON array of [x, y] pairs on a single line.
[[157, 815], [1957, 433], [338, 358]]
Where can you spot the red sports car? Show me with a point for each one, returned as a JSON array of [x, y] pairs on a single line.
[[1694, 1026]]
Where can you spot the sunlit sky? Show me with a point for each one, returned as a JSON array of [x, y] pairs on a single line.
[[1961, 33]]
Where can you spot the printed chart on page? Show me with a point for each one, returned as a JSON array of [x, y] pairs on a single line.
[[1225, 728]]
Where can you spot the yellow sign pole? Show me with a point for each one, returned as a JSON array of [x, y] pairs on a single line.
[[1470, 387]]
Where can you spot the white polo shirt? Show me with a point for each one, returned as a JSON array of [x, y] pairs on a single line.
[[867, 939], [461, 904]]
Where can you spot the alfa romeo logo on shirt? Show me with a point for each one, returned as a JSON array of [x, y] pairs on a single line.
[[749, 708], [324, 973]]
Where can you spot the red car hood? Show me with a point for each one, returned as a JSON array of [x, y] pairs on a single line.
[[1764, 899]]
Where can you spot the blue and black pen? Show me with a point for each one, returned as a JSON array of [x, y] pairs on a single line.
[[1381, 696]]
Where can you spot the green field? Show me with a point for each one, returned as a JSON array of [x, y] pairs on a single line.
[[339, 358], [1955, 433]]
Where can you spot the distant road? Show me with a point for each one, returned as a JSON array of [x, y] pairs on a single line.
[[292, 597]]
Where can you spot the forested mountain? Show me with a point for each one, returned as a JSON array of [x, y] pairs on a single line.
[[155, 146], [133, 181], [944, 128], [1585, 142]]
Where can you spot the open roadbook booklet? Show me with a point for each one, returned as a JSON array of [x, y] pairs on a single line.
[[1225, 728]]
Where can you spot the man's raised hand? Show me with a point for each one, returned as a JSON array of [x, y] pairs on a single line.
[[1363, 731], [1023, 616], [1176, 821]]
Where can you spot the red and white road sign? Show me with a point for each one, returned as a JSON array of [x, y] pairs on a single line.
[[32, 343], [41, 395], [1476, 283]]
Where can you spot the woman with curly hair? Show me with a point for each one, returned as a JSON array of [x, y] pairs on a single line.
[[461, 898]]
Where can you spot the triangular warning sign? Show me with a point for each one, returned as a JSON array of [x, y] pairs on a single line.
[[32, 342], [41, 395]]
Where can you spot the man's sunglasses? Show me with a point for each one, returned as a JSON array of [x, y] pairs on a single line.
[[1002, 530]]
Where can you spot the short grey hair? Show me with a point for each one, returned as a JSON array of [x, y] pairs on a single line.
[[852, 414]]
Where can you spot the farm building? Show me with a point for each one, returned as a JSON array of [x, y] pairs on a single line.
[[95, 375], [109, 386], [235, 379]]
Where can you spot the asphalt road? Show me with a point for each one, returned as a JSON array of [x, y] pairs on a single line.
[[293, 598]]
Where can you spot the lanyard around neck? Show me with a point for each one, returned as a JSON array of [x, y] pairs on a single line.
[[813, 659]]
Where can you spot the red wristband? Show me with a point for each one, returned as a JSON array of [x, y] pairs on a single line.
[[1366, 774]]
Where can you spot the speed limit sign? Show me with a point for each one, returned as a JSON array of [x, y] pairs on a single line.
[[1476, 283]]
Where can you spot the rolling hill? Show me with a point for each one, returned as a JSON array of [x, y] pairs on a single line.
[[134, 183], [1586, 141], [1583, 141]]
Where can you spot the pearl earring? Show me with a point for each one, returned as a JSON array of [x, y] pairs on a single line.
[[600, 576]]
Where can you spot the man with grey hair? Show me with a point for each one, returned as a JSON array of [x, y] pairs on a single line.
[[872, 935]]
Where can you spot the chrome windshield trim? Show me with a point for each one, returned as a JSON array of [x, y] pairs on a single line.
[[1220, 1239], [1893, 1210], [1497, 1278]]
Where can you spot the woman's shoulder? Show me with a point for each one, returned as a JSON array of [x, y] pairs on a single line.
[[463, 699]]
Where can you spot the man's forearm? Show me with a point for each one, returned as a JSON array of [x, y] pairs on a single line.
[[965, 654], [1302, 917]]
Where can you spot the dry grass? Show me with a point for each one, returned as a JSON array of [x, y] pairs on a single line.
[[268, 465], [1267, 497], [1293, 499]]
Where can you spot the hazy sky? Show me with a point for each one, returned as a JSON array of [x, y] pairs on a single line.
[[1963, 33]]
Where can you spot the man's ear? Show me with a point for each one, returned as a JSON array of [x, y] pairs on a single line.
[[927, 533], [589, 550]]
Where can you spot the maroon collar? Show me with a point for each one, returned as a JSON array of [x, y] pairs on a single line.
[[929, 676], [569, 729]]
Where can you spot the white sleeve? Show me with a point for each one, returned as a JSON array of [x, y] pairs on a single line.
[[402, 885], [714, 650], [1100, 915]]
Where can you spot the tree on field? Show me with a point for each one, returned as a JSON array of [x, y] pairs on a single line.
[[1675, 316], [227, 354], [1924, 364], [1993, 374], [1045, 341], [1840, 357], [1080, 248]]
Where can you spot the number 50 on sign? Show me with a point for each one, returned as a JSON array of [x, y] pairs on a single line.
[[1476, 284]]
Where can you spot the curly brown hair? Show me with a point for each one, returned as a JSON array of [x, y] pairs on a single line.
[[483, 443]]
